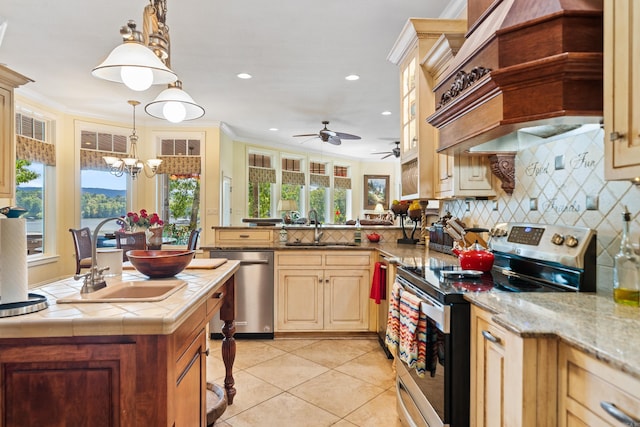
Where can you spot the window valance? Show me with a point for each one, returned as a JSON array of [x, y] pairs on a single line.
[[257, 175], [180, 165], [35, 151], [342, 183], [319, 180], [92, 159], [293, 178]]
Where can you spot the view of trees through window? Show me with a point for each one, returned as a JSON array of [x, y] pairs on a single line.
[[259, 204], [181, 206], [30, 196]]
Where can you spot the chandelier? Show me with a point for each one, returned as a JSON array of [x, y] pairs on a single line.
[[144, 60], [131, 164]]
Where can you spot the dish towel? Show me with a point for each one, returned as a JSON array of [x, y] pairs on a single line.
[[409, 316], [425, 346], [378, 283], [392, 337]]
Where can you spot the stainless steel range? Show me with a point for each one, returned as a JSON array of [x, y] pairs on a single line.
[[528, 258]]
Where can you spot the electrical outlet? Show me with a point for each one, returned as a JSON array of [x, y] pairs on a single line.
[[533, 204], [592, 203], [559, 162]]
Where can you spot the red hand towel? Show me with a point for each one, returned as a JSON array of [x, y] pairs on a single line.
[[378, 283]]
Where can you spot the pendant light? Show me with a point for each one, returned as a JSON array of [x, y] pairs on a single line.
[[133, 63], [174, 105]]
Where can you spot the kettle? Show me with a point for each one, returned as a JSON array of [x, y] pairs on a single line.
[[373, 237], [476, 257]]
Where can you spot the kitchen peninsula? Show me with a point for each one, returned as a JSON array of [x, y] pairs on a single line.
[[126, 364]]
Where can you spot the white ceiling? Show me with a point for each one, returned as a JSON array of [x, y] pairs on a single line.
[[299, 52]]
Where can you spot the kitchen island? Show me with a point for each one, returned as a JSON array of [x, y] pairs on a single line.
[[108, 364]]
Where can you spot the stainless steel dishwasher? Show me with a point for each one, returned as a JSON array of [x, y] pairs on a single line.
[[254, 293]]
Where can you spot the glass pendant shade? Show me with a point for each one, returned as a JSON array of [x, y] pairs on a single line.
[[135, 65], [175, 105]]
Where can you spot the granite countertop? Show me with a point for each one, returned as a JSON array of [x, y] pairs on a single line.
[[590, 322], [94, 319]]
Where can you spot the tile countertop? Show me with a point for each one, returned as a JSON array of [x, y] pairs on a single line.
[[94, 319], [590, 322]]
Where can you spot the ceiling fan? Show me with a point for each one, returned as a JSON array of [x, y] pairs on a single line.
[[395, 152], [330, 136]]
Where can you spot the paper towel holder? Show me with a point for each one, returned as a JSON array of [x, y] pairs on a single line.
[[35, 303]]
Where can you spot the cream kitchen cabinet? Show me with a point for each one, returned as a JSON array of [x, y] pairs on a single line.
[[9, 80], [463, 175], [243, 236], [512, 378], [417, 137], [622, 89], [592, 393], [459, 175], [323, 290]]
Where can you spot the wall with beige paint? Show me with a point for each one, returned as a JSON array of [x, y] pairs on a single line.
[[558, 177]]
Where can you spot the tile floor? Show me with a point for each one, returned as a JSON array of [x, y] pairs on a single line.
[[308, 383]]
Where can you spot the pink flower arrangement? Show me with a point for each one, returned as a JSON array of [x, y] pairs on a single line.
[[143, 219]]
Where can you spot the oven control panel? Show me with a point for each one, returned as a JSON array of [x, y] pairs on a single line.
[[562, 244]]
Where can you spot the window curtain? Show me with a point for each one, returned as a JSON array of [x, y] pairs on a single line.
[[294, 178], [180, 165], [35, 151], [342, 183], [319, 180], [257, 175]]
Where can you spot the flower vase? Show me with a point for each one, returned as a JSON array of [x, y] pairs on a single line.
[[154, 238]]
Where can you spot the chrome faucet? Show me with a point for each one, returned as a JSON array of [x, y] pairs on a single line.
[[94, 279], [317, 234]]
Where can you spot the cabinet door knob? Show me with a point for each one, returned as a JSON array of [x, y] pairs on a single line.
[[619, 414], [490, 337], [615, 136], [218, 295]]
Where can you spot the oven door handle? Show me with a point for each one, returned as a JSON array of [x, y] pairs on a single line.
[[438, 314]]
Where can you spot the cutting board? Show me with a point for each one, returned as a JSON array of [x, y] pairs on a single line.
[[196, 263]]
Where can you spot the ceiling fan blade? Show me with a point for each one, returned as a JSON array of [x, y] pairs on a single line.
[[306, 134], [384, 157], [382, 152], [346, 136], [334, 140]]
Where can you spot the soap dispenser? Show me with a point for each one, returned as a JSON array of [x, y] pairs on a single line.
[[357, 235], [626, 270], [283, 234]]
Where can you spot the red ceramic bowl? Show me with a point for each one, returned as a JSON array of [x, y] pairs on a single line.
[[373, 239], [161, 263]]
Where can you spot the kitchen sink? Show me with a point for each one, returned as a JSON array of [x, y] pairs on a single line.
[[321, 244], [130, 291]]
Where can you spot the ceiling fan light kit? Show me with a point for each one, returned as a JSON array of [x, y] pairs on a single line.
[[329, 136]]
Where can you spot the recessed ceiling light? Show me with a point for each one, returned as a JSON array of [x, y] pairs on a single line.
[[352, 77], [386, 113], [244, 76], [273, 129]]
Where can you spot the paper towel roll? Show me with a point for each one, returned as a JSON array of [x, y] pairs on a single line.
[[13, 260], [111, 258]]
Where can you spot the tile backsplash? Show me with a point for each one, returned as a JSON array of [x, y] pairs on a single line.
[[562, 182]]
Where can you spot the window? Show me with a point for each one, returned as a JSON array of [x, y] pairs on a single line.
[[293, 184], [262, 176], [180, 183], [341, 194], [319, 183], [103, 195], [35, 159]]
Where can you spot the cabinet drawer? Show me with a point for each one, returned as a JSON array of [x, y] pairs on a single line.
[[214, 301], [348, 259], [300, 259], [249, 236], [586, 382]]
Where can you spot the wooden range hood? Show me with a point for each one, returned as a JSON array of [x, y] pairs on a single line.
[[525, 64]]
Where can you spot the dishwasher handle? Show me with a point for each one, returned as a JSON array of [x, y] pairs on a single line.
[[253, 261]]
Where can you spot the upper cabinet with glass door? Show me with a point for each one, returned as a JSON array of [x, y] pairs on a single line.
[[622, 89], [9, 80], [417, 137]]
